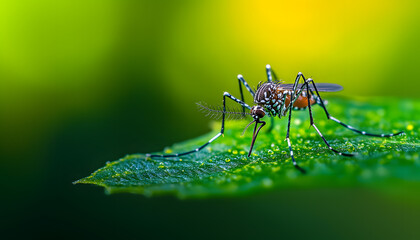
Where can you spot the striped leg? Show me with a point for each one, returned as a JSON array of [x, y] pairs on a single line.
[[268, 69], [283, 108], [226, 94], [345, 125], [242, 80], [313, 124], [363, 132], [270, 73], [288, 126]]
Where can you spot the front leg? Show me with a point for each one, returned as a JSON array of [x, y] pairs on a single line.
[[222, 130], [242, 80]]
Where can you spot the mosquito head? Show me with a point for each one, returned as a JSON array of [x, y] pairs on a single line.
[[257, 112]]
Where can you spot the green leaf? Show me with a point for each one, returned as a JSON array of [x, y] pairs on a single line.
[[223, 168]]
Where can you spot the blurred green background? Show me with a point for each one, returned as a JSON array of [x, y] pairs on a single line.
[[85, 82]]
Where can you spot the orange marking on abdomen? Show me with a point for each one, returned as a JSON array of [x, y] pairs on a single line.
[[301, 102]]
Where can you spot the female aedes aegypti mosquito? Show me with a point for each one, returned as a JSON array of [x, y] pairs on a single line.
[[274, 98]]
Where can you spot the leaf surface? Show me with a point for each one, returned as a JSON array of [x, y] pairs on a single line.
[[223, 168]]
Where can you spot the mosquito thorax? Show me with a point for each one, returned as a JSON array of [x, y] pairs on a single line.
[[257, 112]]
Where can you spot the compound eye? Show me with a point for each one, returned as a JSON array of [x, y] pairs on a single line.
[[259, 111]]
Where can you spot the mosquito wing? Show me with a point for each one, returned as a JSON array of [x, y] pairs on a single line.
[[321, 87]]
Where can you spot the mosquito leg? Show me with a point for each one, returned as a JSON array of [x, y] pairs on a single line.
[[269, 76], [242, 80], [288, 126], [225, 94], [270, 73], [283, 106], [316, 128], [346, 125], [363, 132]]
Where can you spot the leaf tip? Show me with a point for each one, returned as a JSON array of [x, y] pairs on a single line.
[[85, 180], [78, 181]]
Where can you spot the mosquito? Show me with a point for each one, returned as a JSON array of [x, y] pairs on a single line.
[[273, 98]]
